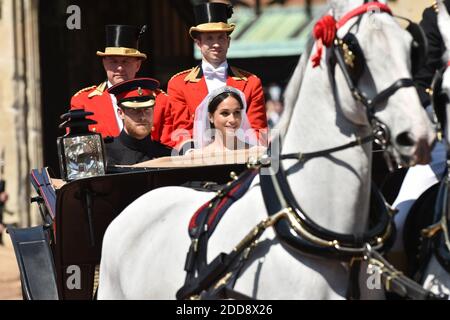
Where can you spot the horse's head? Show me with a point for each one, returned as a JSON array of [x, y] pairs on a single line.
[[378, 53]]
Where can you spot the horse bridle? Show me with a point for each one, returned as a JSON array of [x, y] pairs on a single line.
[[380, 130], [439, 99]]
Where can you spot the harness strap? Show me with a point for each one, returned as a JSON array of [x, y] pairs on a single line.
[[224, 288], [207, 217], [366, 7], [213, 272], [389, 91], [396, 281], [200, 274], [353, 292], [209, 214], [277, 194], [303, 157]]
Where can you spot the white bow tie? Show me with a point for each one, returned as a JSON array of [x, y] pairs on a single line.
[[212, 73]]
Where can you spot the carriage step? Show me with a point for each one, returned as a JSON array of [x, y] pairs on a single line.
[[35, 260]]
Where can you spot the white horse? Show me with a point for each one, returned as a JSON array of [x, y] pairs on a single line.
[[436, 278], [144, 248]]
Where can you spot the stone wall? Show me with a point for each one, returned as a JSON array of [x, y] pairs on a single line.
[[20, 120], [410, 9]]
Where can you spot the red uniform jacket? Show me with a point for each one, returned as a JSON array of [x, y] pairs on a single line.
[[187, 89], [96, 99]]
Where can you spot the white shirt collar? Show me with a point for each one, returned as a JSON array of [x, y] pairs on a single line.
[[206, 64]]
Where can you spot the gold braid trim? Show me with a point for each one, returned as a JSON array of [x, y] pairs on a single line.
[[181, 72], [84, 90]]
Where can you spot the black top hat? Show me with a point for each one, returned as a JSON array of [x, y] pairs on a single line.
[[212, 17], [136, 93], [123, 40]]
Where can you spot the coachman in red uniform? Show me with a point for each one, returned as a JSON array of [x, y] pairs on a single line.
[[188, 88], [121, 60]]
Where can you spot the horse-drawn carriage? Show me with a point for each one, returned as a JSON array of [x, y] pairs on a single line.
[[59, 259], [312, 231]]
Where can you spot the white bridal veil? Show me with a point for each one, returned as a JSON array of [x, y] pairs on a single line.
[[203, 134]]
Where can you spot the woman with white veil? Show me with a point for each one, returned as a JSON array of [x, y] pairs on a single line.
[[221, 122], [221, 134]]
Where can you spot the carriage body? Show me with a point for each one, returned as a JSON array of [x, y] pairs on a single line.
[[59, 259]]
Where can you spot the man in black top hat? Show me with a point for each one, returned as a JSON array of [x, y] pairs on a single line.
[[188, 88], [136, 100], [121, 61]]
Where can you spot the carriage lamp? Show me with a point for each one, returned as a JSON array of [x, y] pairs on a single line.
[[81, 152]]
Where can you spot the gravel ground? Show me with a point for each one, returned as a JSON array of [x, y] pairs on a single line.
[[9, 272]]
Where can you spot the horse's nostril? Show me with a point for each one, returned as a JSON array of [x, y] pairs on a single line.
[[405, 139]]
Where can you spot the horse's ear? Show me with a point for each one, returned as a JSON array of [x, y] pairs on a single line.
[[444, 25]]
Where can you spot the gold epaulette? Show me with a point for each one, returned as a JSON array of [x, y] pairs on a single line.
[[84, 90], [181, 72], [99, 90], [193, 75], [239, 74]]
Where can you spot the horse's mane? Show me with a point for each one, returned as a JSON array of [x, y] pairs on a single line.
[[293, 90]]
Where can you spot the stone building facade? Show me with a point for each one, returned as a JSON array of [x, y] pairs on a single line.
[[20, 104]]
